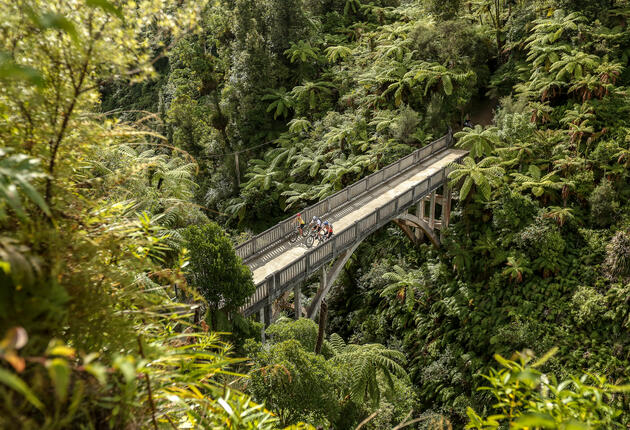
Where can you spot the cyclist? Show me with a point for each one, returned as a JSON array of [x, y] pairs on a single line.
[[323, 231], [329, 233], [300, 222], [316, 224]]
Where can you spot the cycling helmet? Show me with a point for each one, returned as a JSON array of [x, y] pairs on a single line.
[[314, 218], [325, 222], [299, 214]]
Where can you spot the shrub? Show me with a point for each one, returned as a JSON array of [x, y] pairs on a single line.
[[296, 384], [526, 398], [444, 10], [605, 153], [544, 245], [587, 305], [617, 262], [303, 330], [215, 269], [513, 211], [604, 207], [405, 128]]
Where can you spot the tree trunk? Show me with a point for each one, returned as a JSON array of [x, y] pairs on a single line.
[[498, 31], [323, 314]]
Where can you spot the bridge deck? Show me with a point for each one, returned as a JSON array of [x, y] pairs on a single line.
[[283, 254]]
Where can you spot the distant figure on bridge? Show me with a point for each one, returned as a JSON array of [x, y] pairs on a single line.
[[329, 232], [324, 230], [300, 222], [316, 224]]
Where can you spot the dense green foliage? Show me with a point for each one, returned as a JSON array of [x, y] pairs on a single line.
[[132, 131], [215, 269], [527, 398], [91, 259], [338, 388]]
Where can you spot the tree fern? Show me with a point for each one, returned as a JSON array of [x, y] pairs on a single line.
[[374, 368]]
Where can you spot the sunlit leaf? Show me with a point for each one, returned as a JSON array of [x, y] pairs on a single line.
[[59, 372], [535, 420], [105, 6], [14, 382], [11, 71]]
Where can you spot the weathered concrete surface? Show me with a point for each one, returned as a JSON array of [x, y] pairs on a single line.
[[284, 254]]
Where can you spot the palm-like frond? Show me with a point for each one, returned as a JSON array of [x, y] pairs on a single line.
[[281, 102], [297, 125], [373, 365], [336, 53], [152, 182], [262, 175], [301, 51], [478, 141], [309, 161], [485, 175], [536, 182]]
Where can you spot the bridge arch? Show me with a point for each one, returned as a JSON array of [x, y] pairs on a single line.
[[413, 225], [408, 221]]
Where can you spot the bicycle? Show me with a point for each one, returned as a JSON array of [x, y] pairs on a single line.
[[315, 234], [295, 233]]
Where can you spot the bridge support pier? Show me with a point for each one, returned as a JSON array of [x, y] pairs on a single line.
[[267, 313], [446, 209], [327, 280], [432, 211], [265, 318], [297, 301]]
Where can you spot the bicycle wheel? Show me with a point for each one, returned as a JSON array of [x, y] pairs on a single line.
[[305, 231], [293, 236], [309, 241]]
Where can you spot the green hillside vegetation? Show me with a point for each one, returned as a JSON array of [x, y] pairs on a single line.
[[142, 140]]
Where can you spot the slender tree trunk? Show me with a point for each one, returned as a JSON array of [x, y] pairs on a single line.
[[498, 30], [323, 314], [236, 180]]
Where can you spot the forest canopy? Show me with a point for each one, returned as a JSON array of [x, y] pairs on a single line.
[[142, 140]]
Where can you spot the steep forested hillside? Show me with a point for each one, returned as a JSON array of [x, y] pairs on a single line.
[[142, 140]]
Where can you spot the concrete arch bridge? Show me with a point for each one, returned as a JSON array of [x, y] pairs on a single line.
[[405, 192]]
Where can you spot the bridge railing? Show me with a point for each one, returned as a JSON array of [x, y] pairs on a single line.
[[279, 231], [277, 283]]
